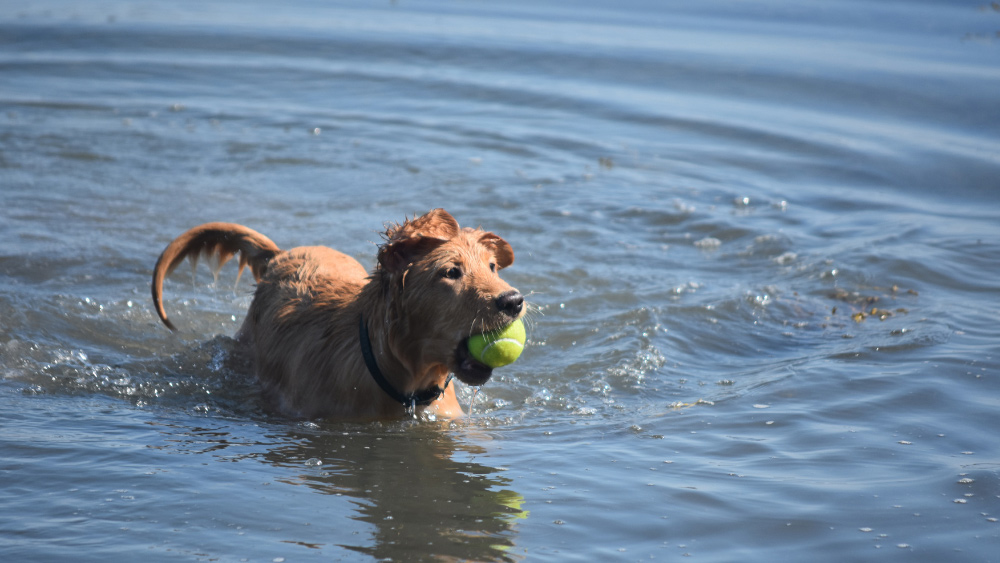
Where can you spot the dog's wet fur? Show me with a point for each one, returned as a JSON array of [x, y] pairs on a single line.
[[434, 285]]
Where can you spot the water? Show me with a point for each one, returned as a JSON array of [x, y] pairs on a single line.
[[762, 239]]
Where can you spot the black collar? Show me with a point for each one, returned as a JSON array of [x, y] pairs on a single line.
[[421, 399]]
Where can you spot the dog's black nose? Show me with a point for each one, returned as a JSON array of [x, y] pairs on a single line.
[[511, 302]]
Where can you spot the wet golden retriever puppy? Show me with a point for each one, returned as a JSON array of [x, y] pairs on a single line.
[[327, 339]]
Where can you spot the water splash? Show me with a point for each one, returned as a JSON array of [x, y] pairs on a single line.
[[472, 403]]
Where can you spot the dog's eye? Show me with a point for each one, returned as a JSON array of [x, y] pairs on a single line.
[[453, 273], [493, 267]]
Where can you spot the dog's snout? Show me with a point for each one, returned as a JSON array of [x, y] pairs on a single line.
[[511, 302]]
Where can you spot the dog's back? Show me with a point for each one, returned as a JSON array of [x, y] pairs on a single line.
[[295, 333]]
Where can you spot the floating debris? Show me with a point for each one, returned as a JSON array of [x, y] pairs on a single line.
[[867, 303]]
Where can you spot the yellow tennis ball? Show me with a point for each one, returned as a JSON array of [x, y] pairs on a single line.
[[500, 347]]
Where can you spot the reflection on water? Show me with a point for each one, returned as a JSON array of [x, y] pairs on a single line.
[[405, 480]]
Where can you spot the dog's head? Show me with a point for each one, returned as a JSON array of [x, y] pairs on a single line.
[[445, 286]]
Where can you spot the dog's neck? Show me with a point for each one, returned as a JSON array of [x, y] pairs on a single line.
[[401, 379], [409, 401]]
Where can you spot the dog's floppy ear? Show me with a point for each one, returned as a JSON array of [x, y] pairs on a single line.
[[436, 223], [404, 243], [501, 249]]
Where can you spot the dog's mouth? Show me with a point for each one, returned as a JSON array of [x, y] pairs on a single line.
[[468, 370]]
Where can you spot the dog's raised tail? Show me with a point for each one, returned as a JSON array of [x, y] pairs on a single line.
[[219, 240]]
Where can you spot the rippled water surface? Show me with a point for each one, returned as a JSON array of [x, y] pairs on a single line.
[[762, 239]]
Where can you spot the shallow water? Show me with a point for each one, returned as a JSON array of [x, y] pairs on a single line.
[[761, 238]]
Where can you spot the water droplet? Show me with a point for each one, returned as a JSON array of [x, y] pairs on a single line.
[[472, 404], [786, 258], [708, 243]]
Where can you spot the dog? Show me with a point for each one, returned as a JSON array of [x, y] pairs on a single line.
[[329, 340]]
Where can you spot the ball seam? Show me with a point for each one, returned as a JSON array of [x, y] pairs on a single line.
[[492, 343]]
